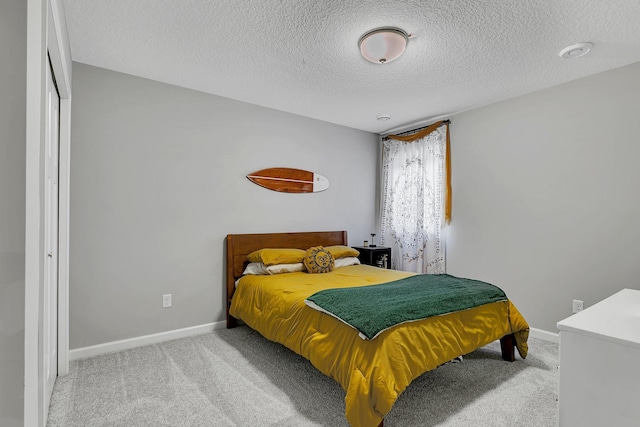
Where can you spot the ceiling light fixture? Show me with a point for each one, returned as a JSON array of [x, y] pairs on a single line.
[[383, 45], [383, 118], [576, 50]]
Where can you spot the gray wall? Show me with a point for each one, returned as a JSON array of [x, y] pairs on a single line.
[[158, 181], [13, 51], [547, 194]]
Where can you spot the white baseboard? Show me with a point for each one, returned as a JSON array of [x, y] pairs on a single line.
[[544, 335], [110, 347]]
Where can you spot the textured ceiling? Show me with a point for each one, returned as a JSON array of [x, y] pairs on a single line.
[[301, 56]]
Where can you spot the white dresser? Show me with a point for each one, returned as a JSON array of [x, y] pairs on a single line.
[[600, 364]]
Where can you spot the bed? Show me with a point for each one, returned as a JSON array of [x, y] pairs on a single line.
[[372, 372]]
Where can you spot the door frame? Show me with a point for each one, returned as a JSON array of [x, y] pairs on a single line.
[[46, 38], [60, 55]]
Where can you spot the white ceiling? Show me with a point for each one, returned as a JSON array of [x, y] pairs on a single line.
[[301, 56]]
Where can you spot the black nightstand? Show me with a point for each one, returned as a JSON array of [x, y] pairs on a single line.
[[373, 255]]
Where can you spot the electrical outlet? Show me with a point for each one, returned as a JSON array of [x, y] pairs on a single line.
[[578, 305], [166, 301]]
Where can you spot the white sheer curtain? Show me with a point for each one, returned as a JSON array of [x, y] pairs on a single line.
[[413, 192]]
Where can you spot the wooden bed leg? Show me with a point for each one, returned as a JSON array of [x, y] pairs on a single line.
[[232, 322], [508, 345]]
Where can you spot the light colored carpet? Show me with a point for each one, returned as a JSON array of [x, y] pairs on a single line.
[[237, 378]]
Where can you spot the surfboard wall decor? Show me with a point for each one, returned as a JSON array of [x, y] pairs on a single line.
[[288, 180]]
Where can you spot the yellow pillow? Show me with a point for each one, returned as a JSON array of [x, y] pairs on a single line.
[[339, 251], [318, 260], [275, 256]]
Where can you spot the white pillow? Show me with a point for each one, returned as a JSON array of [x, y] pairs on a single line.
[[343, 262], [255, 268], [286, 268], [259, 268]]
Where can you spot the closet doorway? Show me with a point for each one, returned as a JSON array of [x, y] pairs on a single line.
[[49, 348]]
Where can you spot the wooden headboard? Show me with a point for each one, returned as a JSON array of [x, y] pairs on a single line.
[[241, 245]]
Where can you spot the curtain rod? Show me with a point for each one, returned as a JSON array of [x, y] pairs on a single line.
[[408, 132]]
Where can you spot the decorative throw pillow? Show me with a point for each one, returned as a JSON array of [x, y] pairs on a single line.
[[318, 260]]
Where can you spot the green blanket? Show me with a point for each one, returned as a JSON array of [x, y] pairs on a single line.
[[372, 309]]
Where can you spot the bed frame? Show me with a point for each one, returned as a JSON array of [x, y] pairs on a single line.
[[240, 245]]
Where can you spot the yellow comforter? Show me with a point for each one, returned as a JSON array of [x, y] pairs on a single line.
[[372, 372]]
